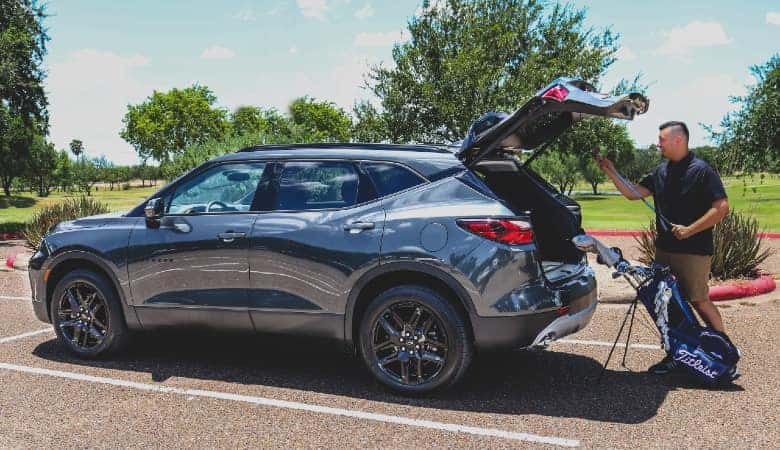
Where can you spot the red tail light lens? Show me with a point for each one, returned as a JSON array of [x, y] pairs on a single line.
[[557, 93], [512, 232]]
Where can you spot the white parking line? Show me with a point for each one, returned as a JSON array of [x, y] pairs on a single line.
[[609, 344], [442, 426], [24, 335], [6, 297]]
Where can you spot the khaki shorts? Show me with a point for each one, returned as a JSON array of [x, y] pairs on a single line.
[[692, 272]]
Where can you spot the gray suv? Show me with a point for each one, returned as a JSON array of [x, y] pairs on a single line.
[[412, 255]]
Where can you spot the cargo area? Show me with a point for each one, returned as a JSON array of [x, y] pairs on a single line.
[[555, 217]]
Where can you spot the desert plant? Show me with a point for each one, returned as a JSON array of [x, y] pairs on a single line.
[[70, 209], [737, 247]]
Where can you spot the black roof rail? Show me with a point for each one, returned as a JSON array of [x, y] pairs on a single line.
[[349, 145]]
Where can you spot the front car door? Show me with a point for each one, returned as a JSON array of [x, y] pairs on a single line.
[[323, 233], [193, 268]]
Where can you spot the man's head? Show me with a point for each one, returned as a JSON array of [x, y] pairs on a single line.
[[673, 140]]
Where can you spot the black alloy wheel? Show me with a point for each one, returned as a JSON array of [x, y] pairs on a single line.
[[87, 315], [414, 341], [83, 316], [409, 343]]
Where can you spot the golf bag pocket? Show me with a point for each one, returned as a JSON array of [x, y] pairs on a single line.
[[708, 355]]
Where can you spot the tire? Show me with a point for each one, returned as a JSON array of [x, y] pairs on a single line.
[[441, 353], [107, 333]]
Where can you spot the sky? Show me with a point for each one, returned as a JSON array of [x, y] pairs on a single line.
[[104, 55]]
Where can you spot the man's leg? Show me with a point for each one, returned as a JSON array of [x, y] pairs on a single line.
[[710, 314]]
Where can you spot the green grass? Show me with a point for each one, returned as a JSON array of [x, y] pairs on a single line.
[[16, 210], [759, 198]]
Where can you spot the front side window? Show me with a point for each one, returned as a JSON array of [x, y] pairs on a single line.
[[221, 189], [317, 185]]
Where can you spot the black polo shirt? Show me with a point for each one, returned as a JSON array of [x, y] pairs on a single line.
[[683, 192]]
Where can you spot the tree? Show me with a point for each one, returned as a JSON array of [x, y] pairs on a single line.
[[85, 175], [63, 173], [22, 48], [255, 120], [15, 139], [467, 57], [76, 147], [167, 122], [369, 124], [595, 134], [750, 137], [641, 162], [559, 169], [42, 165], [323, 121]]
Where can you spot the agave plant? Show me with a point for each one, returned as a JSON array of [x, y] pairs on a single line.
[[737, 246], [70, 209]]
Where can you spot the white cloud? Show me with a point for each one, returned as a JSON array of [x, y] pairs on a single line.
[[293, 50], [217, 52], [379, 39], [680, 41], [625, 54], [246, 15], [88, 94], [773, 18], [314, 9], [365, 12]]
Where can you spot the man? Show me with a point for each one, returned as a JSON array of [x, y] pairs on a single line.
[[689, 200]]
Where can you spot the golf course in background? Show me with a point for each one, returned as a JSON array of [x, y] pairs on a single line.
[[756, 196]]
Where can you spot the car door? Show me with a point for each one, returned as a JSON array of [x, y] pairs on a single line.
[[193, 269], [323, 233]]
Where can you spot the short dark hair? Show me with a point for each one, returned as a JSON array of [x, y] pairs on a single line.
[[676, 123]]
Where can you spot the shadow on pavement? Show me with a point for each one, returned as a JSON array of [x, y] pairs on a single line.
[[522, 382]]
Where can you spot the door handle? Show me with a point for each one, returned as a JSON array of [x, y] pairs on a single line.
[[230, 236], [357, 227]]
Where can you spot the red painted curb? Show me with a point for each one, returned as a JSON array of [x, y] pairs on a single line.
[[10, 236], [637, 233], [760, 285], [10, 261]]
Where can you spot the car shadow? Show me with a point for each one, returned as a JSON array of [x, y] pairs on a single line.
[[544, 383]]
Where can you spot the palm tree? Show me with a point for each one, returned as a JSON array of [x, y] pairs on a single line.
[[77, 147]]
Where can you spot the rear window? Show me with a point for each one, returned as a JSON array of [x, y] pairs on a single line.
[[391, 178]]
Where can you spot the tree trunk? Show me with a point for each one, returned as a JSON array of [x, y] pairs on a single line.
[[595, 187]]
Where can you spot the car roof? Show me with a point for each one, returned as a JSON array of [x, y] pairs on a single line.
[[426, 159]]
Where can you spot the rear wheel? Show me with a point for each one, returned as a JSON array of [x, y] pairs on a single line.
[[87, 315], [414, 341]]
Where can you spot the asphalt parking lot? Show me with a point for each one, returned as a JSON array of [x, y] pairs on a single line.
[[207, 390]]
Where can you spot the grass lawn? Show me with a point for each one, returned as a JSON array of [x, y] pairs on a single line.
[[18, 209], [760, 198]]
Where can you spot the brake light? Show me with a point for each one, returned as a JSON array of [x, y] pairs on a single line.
[[512, 232], [557, 93]]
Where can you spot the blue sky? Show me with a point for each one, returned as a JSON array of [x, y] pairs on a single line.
[[104, 55]]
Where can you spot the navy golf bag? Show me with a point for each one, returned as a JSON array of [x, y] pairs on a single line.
[[708, 355]]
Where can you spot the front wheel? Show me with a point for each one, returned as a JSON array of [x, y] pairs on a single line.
[[414, 341], [87, 315]]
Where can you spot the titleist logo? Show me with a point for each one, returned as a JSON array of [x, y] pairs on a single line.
[[692, 361]]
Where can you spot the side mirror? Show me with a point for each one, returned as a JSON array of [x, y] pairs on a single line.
[[153, 211]]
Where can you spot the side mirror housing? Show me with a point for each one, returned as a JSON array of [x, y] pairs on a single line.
[[153, 211]]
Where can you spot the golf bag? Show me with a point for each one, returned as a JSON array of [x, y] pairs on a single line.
[[708, 355]]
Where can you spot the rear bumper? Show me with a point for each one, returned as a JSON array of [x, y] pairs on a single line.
[[541, 327]]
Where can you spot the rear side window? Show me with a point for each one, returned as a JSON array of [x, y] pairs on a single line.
[[391, 178], [317, 185]]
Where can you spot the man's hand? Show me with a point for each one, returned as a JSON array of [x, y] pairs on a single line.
[[682, 232], [604, 163]]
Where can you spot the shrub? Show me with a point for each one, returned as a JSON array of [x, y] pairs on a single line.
[[70, 209], [125, 186], [737, 247]]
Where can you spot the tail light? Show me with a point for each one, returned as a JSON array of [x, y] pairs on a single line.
[[557, 93], [512, 232]]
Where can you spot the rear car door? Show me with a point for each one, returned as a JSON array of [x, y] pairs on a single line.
[[323, 233], [193, 268]]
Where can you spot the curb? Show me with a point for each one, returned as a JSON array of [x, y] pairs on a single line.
[[760, 285], [18, 261], [637, 233], [11, 236]]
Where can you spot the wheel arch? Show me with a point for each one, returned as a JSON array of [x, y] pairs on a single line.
[[71, 260], [395, 274]]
